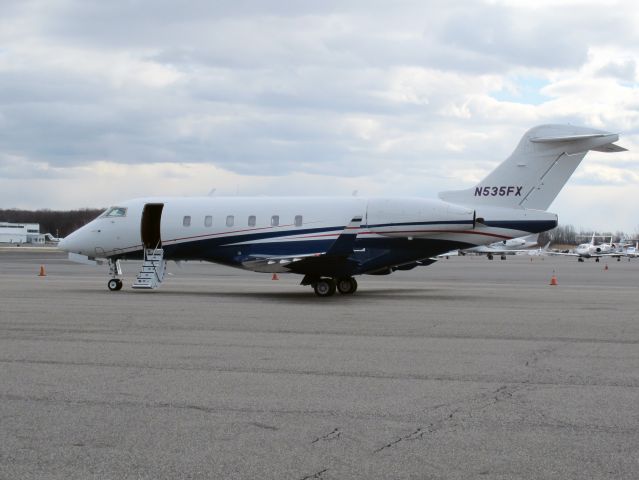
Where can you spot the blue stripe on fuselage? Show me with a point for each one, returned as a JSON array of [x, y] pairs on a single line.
[[531, 226], [380, 251]]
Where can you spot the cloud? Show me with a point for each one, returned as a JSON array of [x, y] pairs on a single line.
[[320, 97], [623, 69]]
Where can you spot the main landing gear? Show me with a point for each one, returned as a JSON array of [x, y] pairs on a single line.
[[346, 285], [115, 270], [325, 287]]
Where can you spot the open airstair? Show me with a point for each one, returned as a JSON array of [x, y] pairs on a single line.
[[153, 270]]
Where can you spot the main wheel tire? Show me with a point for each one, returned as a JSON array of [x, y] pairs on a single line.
[[324, 287], [346, 285], [114, 284]]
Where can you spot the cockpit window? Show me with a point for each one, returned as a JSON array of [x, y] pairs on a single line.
[[115, 212]]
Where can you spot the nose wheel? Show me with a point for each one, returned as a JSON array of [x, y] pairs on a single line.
[[115, 270], [115, 284]]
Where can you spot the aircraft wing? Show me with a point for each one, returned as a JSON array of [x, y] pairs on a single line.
[[541, 251], [452, 253], [338, 252], [258, 263]]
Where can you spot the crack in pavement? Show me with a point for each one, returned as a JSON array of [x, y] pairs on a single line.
[[263, 426], [416, 435], [334, 435], [476, 403], [315, 475]]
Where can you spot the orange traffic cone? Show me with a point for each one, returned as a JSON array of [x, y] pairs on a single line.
[[42, 272], [606, 267], [553, 279], [275, 277]]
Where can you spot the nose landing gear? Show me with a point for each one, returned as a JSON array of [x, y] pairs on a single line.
[[115, 270]]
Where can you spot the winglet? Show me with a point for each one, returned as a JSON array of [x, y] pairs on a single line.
[[343, 245]]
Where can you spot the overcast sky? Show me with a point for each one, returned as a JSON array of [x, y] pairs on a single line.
[[106, 100]]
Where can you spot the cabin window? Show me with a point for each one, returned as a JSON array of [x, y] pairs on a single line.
[[298, 220], [208, 220], [230, 220], [115, 212], [275, 220], [186, 221], [251, 221]]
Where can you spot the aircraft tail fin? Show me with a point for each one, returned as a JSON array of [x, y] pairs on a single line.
[[538, 169]]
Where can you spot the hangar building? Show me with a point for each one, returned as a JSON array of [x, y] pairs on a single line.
[[20, 233]]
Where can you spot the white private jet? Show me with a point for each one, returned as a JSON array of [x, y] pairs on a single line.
[[592, 250], [329, 241], [632, 251], [505, 247], [536, 252]]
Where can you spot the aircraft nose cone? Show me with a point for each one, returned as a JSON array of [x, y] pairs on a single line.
[[71, 243]]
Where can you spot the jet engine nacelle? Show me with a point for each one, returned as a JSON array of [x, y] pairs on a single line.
[[417, 217]]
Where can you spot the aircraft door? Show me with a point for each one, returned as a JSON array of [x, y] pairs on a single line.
[[150, 226]]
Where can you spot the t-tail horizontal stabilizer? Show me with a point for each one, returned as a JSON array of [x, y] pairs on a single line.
[[537, 170]]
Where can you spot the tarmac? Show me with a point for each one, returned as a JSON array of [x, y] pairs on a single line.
[[468, 368]]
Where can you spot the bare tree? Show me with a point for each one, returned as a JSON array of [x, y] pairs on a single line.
[[56, 222]]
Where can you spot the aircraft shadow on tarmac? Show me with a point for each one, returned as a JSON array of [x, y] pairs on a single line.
[[307, 297]]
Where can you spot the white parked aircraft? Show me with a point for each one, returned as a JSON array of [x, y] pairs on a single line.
[[505, 247], [632, 251], [331, 240], [536, 252], [592, 250]]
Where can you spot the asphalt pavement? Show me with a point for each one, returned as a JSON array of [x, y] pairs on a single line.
[[468, 368]]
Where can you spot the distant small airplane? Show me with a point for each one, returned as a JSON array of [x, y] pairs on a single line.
[[592, 250], [537, 252], [505, 247], [329, 241], [632, 251], [629, 250]]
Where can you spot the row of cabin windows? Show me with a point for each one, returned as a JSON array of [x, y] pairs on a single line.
[[230, 220]]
